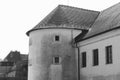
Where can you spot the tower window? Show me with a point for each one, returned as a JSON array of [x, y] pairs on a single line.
[[109, 54], [95, 57], [57, 38], [56, 60], [83, 59]]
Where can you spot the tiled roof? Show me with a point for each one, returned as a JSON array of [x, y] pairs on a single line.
[[67, 17], [107, 20]]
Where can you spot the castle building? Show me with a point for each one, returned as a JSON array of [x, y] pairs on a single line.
[[76, 44]]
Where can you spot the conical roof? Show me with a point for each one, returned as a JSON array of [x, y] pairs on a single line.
[[107, 20], [67, 17]]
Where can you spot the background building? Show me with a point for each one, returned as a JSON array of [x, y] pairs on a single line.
[[14, 66], [13, 56], [5, 67]]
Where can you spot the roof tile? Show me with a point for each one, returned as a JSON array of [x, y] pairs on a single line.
[[67, 17], [108, 19]]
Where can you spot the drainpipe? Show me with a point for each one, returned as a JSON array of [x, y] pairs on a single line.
[[78, 61], [75, 41], [74, 44]]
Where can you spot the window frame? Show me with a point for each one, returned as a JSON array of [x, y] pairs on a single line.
[[109, 54], [83, 59], [95, 57], [54, 60], [56, 38]]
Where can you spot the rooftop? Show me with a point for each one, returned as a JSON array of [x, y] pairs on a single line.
[[67, 17], [107, 20]]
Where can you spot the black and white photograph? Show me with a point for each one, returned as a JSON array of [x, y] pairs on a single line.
[[59, 40]]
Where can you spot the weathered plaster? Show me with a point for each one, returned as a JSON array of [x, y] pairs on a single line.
[[44, 48]]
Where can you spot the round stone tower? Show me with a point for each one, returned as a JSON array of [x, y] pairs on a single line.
[[52, 55]]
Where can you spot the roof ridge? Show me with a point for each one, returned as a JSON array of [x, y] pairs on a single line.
[[60, 5]]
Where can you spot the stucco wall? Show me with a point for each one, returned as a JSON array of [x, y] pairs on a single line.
[[103, 71], [43, 48]]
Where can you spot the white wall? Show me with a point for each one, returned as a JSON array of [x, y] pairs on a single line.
[[100, 42], [42, 47]]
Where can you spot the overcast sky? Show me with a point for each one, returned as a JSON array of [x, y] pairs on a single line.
[[19, 16]]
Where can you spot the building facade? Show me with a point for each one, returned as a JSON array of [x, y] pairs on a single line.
[[100, 57], [14, 66], [99, 48], [52, 55], [75, 44], [13, 56], [5, 67]]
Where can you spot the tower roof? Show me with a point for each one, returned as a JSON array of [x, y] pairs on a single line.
[[107, 20], [67, 17]]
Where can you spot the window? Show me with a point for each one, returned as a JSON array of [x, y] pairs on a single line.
[[95, 57], [83, 59], [56, 60], [57, 38], [109, 54]]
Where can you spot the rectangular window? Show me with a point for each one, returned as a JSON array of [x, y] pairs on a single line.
[[56, 38], [95, 57], [56, 60], [109, 54], [83, 59]]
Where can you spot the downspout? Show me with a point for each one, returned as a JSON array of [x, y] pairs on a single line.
[[77, 39], [78, 61], [74, 44]]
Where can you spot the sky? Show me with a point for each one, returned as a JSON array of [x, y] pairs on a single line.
[[19, 16]]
